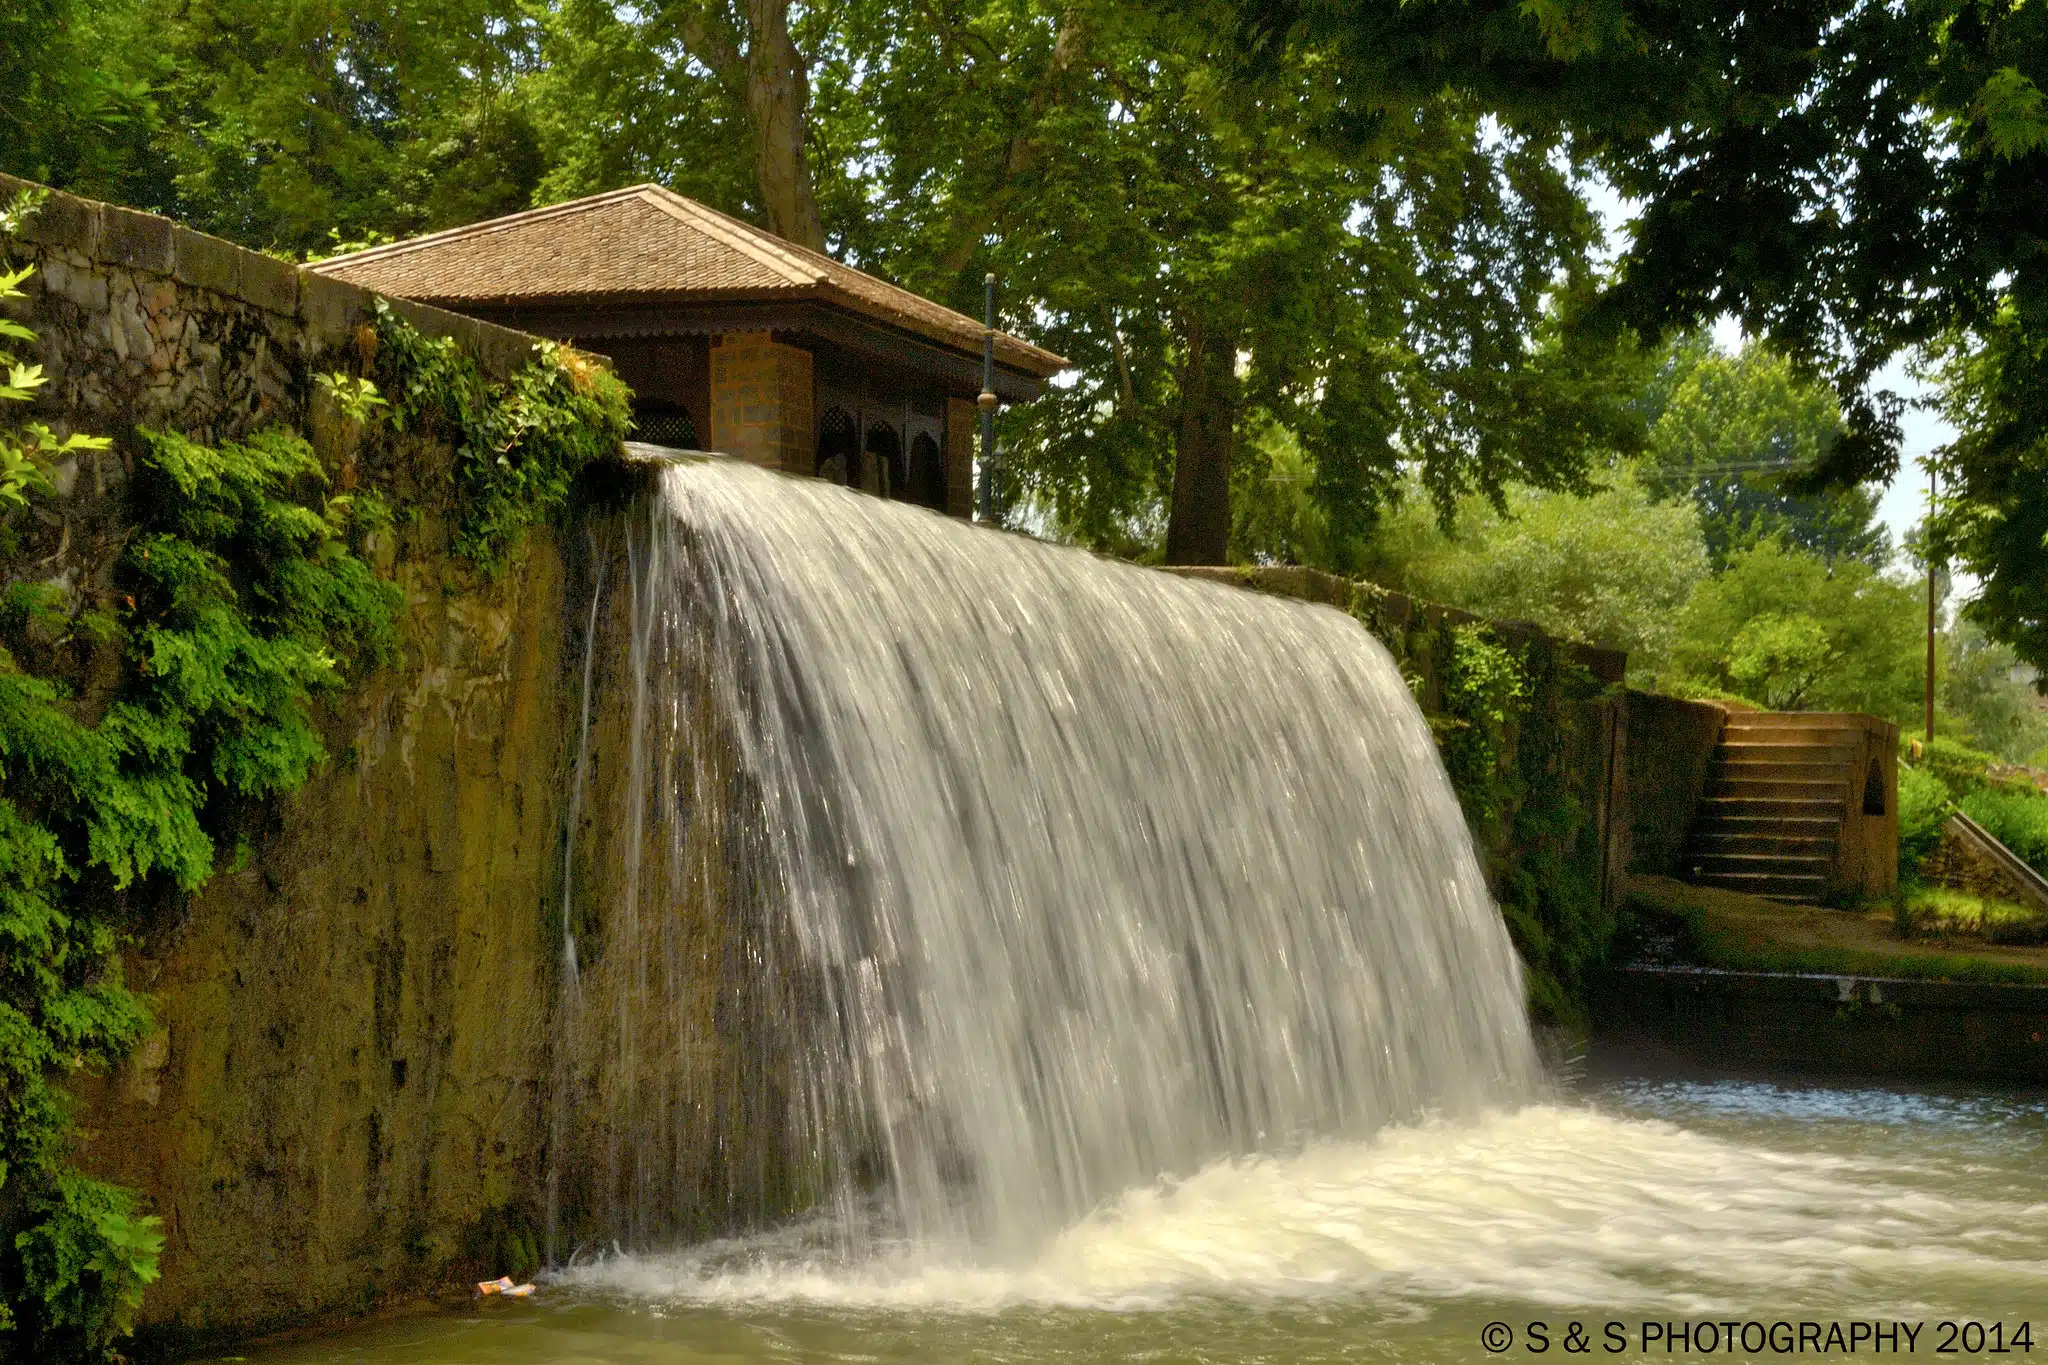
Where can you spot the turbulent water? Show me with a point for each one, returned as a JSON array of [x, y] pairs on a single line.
[[1631, 1201], [1110, 953], [1089, 874]]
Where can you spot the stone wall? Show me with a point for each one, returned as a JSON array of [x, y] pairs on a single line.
[[761, 401], [1964, 860], [1670, 755], [345, 1100]]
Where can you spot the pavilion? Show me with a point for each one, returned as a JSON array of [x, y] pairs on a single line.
[[732, 339]]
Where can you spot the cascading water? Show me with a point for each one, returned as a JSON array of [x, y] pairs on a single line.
[[1074, 874]]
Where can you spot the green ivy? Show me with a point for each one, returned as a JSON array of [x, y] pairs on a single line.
[[241, 605], [518, 444], [1507, 717], [1484, 689]]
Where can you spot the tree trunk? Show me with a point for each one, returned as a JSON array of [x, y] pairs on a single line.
[[778, 98], [1198, 524]]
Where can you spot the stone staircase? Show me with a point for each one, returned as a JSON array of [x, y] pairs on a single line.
[[1770, 820]]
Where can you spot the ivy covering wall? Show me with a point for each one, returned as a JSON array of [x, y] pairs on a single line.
[[143, 731]]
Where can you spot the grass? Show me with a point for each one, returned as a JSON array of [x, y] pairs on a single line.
[[1735, 932], [1941, 912]]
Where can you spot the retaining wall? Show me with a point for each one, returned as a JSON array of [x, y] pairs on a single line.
[[344, 1101]]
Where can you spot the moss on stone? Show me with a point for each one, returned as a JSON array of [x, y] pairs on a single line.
[[1711, 927]]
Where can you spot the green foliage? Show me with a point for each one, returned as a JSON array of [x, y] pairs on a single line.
[[355, 398], [87, 1255], [2019, 820], [1728, 432], [1940, 912], [1984, 685], [1785, 629], [244, 606], [1612, 567], [1924, 806], [518, 444], [1483, 687], [1962, 769]]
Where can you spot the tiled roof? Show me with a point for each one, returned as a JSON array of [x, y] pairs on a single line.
[[648, 244]]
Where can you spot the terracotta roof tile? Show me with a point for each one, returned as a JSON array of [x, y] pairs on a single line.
[[648, 243]]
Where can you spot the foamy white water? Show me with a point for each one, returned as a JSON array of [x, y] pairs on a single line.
[[1548, 1206]]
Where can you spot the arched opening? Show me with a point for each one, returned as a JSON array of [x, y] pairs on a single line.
[[1873, 790], [665, 424], [927, 474], [839, 447], [885, 458]]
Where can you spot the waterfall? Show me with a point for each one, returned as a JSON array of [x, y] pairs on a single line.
[[1039, 876]]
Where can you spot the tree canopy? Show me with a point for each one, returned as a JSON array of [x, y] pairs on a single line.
[[1358, 223]]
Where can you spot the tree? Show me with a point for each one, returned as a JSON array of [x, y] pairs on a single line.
[[1216, 265], [665, 87], [1730, 432], [68, 115], [1614, 567], [1991, 518], [1984, 684], [1784, 628], [290, 125], [1853, 181]]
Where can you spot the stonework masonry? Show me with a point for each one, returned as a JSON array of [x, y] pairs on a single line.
[[1962, 862], [344, 1102], [761, 402], [961, 423]]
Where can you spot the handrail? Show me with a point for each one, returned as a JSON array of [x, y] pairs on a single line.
[[2021, 871]]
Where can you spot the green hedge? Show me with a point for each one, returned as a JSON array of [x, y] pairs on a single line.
[[1924, 806], [2016, 819]]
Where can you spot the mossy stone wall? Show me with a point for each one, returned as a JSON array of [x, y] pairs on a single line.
[[345, 1100], [1670, 754]]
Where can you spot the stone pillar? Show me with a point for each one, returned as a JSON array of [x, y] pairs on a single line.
[[961, 422], [761, 408]]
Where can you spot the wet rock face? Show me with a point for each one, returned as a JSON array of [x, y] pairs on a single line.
[[345, 1099]]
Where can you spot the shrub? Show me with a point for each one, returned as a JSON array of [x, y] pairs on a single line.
[[2015, 819], [1964, 770], [1924, 805]]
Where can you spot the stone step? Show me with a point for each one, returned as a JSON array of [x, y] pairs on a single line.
[[1826, 827], [1716, 840], [1791, 732], [1717, 808], [1741, 751], [1774, 864], [1782, 771], [1834, 790], [1777, 886]]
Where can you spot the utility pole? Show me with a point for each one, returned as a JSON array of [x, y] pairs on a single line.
[[987, 400], [1929, 549]]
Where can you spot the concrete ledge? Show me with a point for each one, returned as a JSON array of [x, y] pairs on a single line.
[[1869, 1025], [332, 309], [139, 241], [206, 262], [268, 283], [328, 308], [64, 220]]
